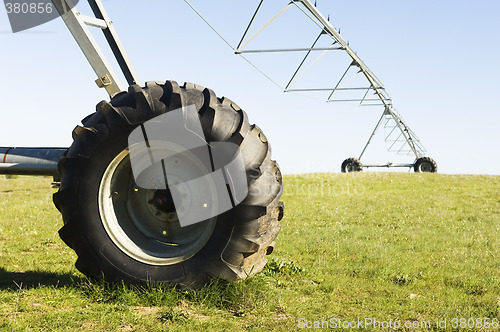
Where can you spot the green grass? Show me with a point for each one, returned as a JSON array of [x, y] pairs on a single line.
[[406, 247]]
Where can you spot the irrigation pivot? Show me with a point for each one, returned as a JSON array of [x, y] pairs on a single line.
[[201, 204], [399, 137]]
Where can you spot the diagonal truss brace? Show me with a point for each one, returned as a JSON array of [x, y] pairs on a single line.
[[408, 136]]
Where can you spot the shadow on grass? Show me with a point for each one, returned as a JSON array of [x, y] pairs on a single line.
[[235, 298], [33, 279]]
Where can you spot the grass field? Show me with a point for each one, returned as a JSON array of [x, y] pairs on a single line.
[[410, 248]]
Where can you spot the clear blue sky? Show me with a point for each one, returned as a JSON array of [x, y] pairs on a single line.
[[437, 59]]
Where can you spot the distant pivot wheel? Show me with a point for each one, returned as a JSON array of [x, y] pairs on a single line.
[[351, 165], [425, 165]]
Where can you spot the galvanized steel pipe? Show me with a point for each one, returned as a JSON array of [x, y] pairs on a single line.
[[30, 161]]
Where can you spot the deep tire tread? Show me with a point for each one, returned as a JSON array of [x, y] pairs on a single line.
[[255, 221]]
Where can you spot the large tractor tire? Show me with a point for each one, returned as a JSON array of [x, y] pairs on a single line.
[[425, 165], [117, 229]]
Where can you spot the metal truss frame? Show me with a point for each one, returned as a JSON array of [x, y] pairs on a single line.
[[400, 138]]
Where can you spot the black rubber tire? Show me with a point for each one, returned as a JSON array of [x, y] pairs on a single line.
[[351, 165], [425, 165], [242, 237]]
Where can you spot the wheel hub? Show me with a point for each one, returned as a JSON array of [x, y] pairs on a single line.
[[163, 201], [426, 167]]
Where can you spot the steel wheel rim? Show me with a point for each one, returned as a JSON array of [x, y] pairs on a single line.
[[138, 229], [426, 167], [351, 167]]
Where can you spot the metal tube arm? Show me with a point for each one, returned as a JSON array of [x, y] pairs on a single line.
[[114, 43], [77, 25]]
